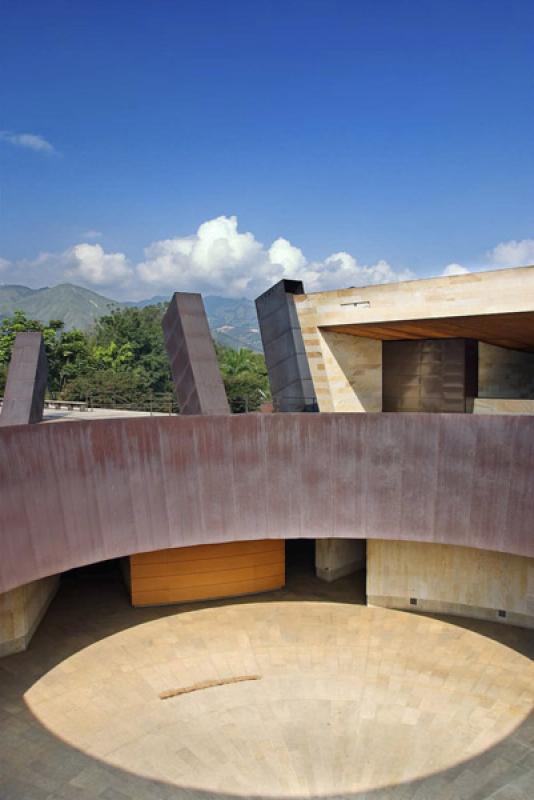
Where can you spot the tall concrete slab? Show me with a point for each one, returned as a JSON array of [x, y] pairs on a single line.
[[26, 381], [197, 379], [285, 356]]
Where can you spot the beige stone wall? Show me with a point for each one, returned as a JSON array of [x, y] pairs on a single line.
[[346, 370], [335, 558], [496, 405], [498, 292], [353, 367], [504, 373], [334, 365], [21, 611], [451, 580]]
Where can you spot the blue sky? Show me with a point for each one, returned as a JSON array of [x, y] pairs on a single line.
[[396, 134]]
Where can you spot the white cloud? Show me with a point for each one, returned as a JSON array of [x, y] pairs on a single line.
[[513, 253], [89, 263], [454, 269], [30, 141], [92, 234], [216, 258], [220, 259], [289, 257]]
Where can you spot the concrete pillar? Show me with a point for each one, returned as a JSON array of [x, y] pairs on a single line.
[[285, 356], [21, 611], [26, 381], [197, 379], [335, 558]]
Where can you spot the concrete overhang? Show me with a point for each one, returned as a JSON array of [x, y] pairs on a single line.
[[496, 307], [512, 330]]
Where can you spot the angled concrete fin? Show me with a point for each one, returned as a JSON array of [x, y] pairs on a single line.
[[285, 356], [197, 379], [26, 381]]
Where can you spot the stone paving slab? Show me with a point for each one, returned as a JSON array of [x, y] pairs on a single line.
[[354, 702]]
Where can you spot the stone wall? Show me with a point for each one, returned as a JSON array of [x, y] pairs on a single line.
[[352, 368], [451, 580], [504, 373], [507, 291], [335, 558], [21, 611]]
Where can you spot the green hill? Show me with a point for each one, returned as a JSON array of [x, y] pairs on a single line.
[[233, 322], [77, 307]]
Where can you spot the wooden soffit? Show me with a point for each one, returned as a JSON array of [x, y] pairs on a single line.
[[513, 330]]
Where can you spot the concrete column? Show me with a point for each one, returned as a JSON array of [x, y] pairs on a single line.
[[285, 356], [335, 558], [197, 379], [26, 381], [21, 611]]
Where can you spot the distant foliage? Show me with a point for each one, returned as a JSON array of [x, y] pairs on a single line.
[[245, 378], [122, 361]]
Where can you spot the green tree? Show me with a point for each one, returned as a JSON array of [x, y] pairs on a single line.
[[138, 337], [245, 378], [106, 387], [123, 361], [19, 323]]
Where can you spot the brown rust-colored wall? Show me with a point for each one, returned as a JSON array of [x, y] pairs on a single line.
[[184, 574], [76, 493]]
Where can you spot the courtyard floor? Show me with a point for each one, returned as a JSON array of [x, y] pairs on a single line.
[[351, 702]]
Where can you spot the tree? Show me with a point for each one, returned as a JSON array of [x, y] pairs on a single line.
[[20, 323], [123, 361], [106, 387], [245, 378], [138, 337]]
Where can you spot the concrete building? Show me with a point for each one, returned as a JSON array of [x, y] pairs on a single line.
[[402, 476], [462, 344], [437, 506]]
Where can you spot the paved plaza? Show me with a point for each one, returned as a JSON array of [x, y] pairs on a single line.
[[353, 702]]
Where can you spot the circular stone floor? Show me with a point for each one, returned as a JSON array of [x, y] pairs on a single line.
[[352, 702]]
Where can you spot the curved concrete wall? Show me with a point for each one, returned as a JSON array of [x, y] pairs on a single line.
[[75, 493]]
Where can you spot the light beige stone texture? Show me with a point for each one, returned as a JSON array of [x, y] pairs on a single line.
[[490, 405], [336, 558], [452, 580], [504, 373], [353, 368], [350, 700], [359, 703], [21, 611], [335, 366]]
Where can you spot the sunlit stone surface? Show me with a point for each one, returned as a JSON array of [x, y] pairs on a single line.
[[353, 702]]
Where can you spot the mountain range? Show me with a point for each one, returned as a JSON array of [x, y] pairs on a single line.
[[233, 322]]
